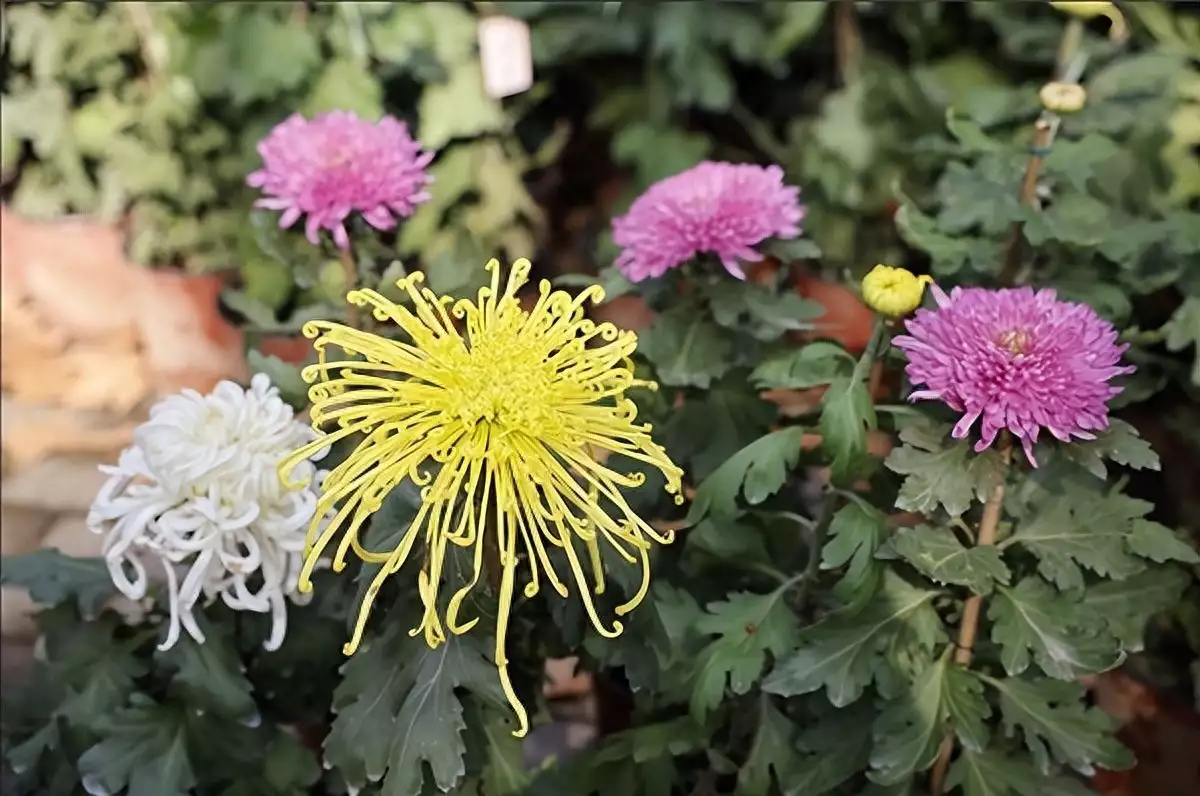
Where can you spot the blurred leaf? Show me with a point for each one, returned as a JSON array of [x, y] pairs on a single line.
[[458, 108], [256, 57], [811, 365], [773, 750], [144, 749], [658, 152], [346, 85], [685, 348], [1126, 606], [800, 21], [284, 375], [1183, 330], [52, 578], [991, 772], [210, 674]]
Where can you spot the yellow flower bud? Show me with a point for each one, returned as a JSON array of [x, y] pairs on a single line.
[[1084, 8], [894, 292], [1090, 9], [1063, 97]]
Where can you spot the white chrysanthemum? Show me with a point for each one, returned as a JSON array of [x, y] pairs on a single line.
[[200, 492]]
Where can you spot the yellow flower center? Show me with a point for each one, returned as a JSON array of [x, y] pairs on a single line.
[[1016, 341], [503, 416], [894, 292]]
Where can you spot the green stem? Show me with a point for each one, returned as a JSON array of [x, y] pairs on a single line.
[[820, 534]]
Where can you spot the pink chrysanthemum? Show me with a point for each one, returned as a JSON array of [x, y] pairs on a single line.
[[1018, 359], [722, 208], [337, 164]]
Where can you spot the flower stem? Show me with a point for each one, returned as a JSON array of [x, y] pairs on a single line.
[[1043, 137], [350, 270], [820, 533], [969, 626]]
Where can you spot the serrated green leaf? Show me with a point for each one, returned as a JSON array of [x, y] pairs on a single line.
[[847, 414], [1159, 543], [942, 472], [1126, 606], [686, 348], [811, 365], [210, 674], [1120, 442], [773, 750], [504, 773], [836, 747], [843, 653], [459, 107], [1065, 640], [97, 669], [756, 471], [938, 554], [1183, 331], [855, 534], [1056, 725], [1080, 527], [991, 772], [144, 753], [909, 732], [748, 627], [396, 708], [346, 85], [1079, 162], [766, 313], [52, 578]]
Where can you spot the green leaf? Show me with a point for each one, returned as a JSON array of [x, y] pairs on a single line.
[[1120, 442], [52, 578], [1183, 331], [1066, 641], [773, 750], [843, 653], [657, 151], [1103, 532], [856, 532], [210, 674], [708, 429], [909, 732], [144, 750], [1056, 725], [286, 768], [685, 348], [938, 554], [1079, 162], [949, 253], [768, 313], [847, 413], [942, 472], [757, 471], [991, 772], [837, 746], [1074, 218], [812, 365], [458, 108], [1126, 606], [284, 375], [748, 627], [728, 540], [256, 57], [504, 773], [346, 85], [396, 708], [800, 21]]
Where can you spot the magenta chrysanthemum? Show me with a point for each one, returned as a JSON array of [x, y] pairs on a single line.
[[337, 164], [1016, 359], [722, 208]]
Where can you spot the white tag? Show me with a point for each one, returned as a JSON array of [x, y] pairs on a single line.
[[507, 56]]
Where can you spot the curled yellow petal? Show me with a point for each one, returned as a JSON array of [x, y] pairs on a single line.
[[894, 292], [504, 417]]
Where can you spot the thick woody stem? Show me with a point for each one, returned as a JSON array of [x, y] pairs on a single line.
[[969, 626]]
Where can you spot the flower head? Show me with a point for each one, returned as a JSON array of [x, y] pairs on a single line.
[[1063, 97], [199, 490], [722, 208], [338, 164], [495, 412], [894, 292], [1017, 359]]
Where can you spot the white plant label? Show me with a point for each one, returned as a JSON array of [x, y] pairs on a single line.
[[507, 56]]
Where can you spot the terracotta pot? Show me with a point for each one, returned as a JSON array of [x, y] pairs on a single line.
[[846, 320]]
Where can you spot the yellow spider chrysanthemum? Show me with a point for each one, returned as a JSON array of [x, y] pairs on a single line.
[[894, 292], [508, 413]]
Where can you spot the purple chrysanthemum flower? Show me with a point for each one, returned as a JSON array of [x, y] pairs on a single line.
[[337, 164], [723, 208], [1018, 359]]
